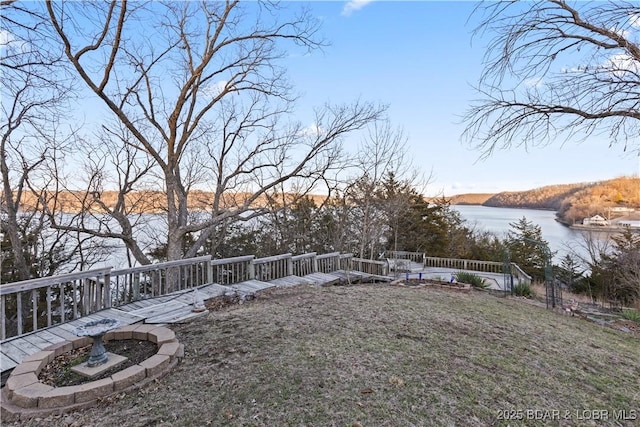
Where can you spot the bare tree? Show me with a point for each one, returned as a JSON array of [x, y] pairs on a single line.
[[203, 98], [35, 90], [383, 151], [557, 70]]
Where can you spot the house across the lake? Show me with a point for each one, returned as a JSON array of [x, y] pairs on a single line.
[[631, 221], [596, 220]]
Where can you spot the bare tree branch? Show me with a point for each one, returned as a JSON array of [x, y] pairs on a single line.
[[201, 98], [532, 91]]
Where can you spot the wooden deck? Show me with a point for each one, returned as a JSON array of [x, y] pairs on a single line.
[[132, 290], [166, 309]]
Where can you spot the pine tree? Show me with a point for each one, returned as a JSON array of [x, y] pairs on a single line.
[[528, 249], [568, 272]]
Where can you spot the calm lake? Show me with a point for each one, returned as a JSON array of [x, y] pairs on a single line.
[[497, 220]]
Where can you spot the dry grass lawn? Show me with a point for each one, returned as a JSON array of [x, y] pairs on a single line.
[[377, 355]]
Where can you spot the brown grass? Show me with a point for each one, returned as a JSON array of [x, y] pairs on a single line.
[[540, 292], [383, 356]]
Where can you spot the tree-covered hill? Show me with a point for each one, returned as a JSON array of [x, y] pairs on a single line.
[[549, 197], [572, 201]]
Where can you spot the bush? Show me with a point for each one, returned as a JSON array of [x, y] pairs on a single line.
[[631, 315], [523, 290], [471, 279]]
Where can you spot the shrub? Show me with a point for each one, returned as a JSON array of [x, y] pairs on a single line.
[[523, 290], [471, 279], [633, 315]]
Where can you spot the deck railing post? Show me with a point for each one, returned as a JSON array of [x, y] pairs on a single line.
[[49, 297], [252, 269], [34, 308], [107, 290], [3, 314], [209, 272], [136, 286], [74, 300], [19, 308], [289, 264], [85, 296]]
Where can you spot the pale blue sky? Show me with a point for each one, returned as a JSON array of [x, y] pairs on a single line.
[[418, 57]]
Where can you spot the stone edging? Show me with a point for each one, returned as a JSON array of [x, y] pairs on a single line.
[[24, 396]]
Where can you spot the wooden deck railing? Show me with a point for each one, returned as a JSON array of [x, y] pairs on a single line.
[[34, 304], [345, 262], [465, 264], [304, 264], [519, 275], [31, 305], [148, 281], [417, 257], [328, 262], [369, 266], [474, 265], [228, 271], [273, 267]]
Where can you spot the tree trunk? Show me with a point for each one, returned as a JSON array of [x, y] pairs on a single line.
[[13, 230]]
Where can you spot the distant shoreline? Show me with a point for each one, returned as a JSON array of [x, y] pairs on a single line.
[[618, 228]]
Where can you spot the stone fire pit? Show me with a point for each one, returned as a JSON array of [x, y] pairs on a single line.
[[24, 396]]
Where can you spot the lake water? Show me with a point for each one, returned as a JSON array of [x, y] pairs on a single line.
[[561, 239], [495, 220]]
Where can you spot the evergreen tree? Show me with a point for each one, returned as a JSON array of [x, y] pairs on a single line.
[[528, 249], [618, 272], [569, 273], [485, 246]]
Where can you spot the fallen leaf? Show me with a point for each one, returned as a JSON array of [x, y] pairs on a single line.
[[366, 391], [396, 381]]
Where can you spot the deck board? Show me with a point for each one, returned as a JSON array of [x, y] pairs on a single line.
[[348, 276], [251, 286], [51, 337], [177, 315], [206, 292], [6, 362], [38, 340], [61, 332], [18, 350], [155, 310], [288, 281], [322, 279]]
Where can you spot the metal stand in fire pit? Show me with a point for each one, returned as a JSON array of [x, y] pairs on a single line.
[[99, 359], [96, 330]]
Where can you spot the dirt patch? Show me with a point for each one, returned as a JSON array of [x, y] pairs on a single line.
[[627, 326], [427, 282], [222, 301], [58, 372], [381, 355]]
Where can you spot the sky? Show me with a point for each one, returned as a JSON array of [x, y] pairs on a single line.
[[418, 57]]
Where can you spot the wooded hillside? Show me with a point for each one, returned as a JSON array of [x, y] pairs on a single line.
[[470, 198], [144, 201], [573, 202]]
